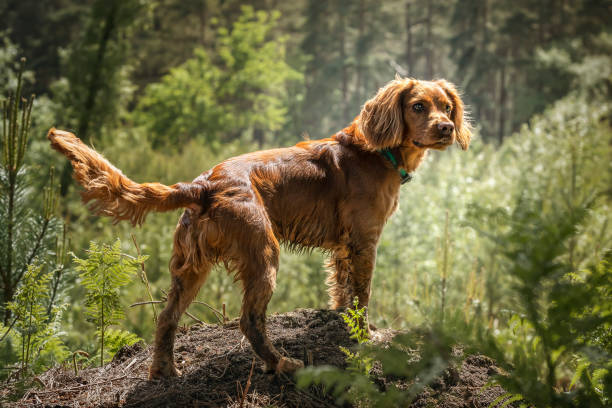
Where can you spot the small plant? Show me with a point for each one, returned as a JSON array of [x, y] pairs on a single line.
[[354, 319], [116, 339], [353, 384], [102, 274], [36, 331]]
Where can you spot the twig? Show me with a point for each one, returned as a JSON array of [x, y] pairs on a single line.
[[147, 303], [223, 373], [37, 245], [164, 301], [39, 381], [79, 352], [132, 362], [145, 280], [194, 318], [80, 386], [248, 384], [220, 316], [9, 329]]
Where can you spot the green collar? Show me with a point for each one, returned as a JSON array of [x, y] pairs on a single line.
[[405, 177]]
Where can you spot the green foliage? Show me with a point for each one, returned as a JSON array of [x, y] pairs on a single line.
[[9, 60], [354, 319], [102, 274], [29, 230], [96, 68], [240, 90], [524, 280], [559, 311], [115, 339], [37, 330], [353, 385]]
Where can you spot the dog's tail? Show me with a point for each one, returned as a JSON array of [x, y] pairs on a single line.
[[114, 194]]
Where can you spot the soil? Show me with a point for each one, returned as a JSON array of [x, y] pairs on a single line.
[[216, 362]]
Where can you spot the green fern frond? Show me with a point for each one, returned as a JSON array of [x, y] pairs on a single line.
[[103, 273]]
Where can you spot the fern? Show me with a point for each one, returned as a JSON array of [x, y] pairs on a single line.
[[37, 336], [102, 274], [354, 319], [117, 339]]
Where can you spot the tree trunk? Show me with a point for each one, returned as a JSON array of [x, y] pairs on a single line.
[[92, 91], [203, 17], [408, 57], [485, 17], [502, 103], [360, 52], [94, 83], [429, 40], [342, 31]]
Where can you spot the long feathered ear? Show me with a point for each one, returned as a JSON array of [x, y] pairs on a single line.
[[458, 115], [381, 120]]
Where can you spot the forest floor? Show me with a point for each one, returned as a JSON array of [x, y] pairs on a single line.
[[216, 361]]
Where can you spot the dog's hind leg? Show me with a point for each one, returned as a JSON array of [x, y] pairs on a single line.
[[187, 279], [183, 291], [258, 275]]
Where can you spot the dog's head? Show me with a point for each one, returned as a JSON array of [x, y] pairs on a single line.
[[417, 114]]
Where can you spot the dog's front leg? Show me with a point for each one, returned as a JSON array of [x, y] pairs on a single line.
[[350, 277]]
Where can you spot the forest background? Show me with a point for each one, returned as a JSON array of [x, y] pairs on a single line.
[[166, 89]]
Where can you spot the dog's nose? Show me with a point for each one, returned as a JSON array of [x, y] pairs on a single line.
[[446, 128]]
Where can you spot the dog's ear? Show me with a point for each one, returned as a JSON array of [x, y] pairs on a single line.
[[458, 115], [381, 120]]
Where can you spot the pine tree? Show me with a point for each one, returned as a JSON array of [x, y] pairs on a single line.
[[26, 234]]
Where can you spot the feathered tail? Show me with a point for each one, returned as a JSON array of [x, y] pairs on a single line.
[[114, 194]]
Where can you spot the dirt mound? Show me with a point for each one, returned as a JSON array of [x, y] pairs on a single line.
[[216, 361]]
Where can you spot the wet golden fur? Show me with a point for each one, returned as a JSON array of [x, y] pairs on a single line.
[[335, 193]]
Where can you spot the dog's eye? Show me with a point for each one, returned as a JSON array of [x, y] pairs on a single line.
[[448, 109], [418, 107]]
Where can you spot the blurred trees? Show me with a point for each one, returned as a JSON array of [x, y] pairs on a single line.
[[495, 50], [241, 89]]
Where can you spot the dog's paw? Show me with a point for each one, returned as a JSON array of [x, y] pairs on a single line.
[[164, 371], [288, 365]]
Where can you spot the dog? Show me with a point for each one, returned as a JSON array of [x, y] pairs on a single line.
[[334, 193]]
